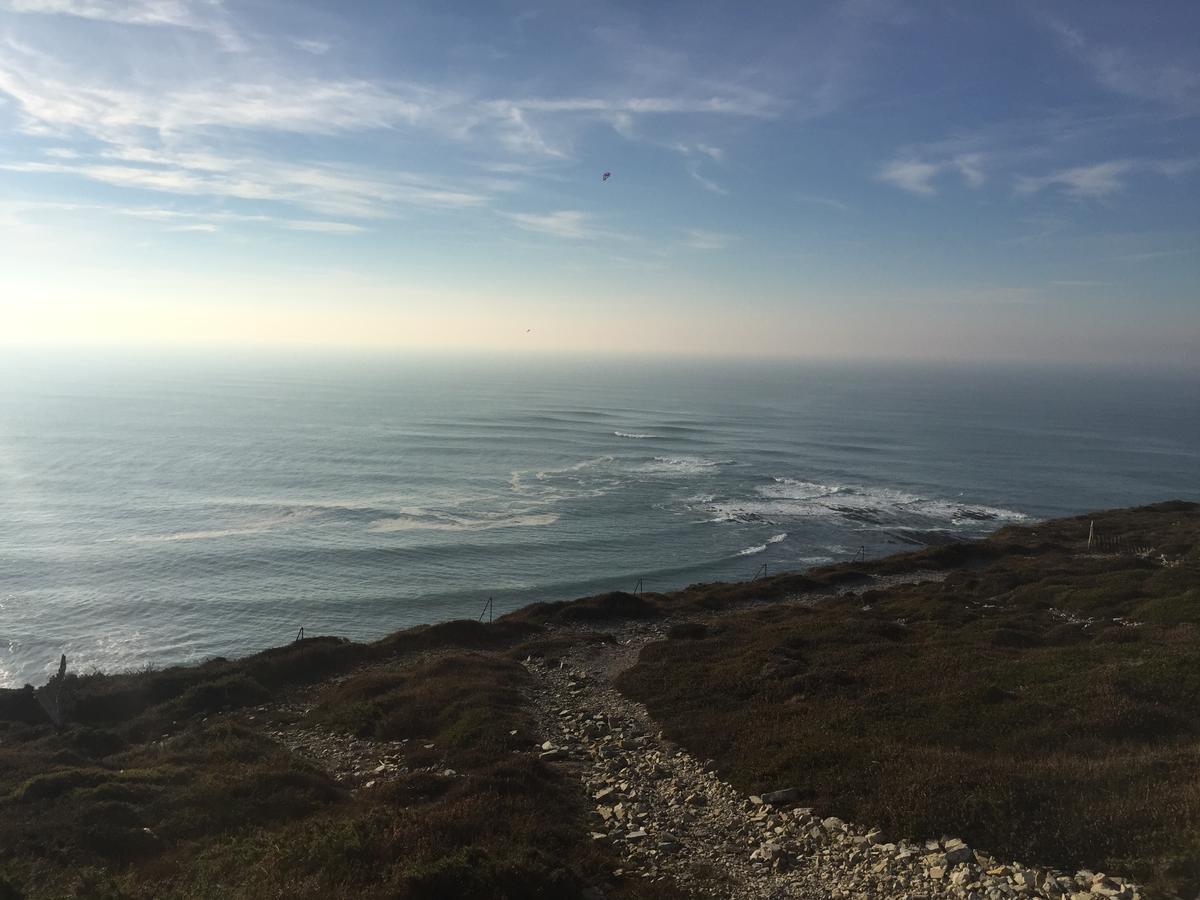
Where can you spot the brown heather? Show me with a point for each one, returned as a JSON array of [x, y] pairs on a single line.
[[1009, 703]]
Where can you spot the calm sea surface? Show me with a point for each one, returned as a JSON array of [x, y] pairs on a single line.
[[168, 511]]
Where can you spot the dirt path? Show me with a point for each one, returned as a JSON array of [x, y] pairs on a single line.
[[670, 817]]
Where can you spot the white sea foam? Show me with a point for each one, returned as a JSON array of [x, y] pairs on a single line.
[[786, 498], [680, 466], [759, 548], [633, 435], [422, 521], [587, 478], [574, 468], [258, 526]]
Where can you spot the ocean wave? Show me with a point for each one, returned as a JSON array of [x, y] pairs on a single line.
[[759, 548], [586, 478], [633, 435], [788, 498], [796, 489], [573, 469], [681, 465], [428, 521], [742, 516]]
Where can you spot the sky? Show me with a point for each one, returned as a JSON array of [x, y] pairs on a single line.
[[999, 181]]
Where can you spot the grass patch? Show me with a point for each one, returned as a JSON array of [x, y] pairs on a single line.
[[219, 809], [1003, 704]]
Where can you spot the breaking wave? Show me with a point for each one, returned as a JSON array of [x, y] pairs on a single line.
[[633, 435], [681, 465], [789, 498]]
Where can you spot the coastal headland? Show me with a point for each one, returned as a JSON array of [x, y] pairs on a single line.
[[1013, 716]]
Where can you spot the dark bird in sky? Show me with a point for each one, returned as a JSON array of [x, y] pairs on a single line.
[[606, 176]]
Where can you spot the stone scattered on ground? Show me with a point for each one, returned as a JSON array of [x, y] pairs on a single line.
[[669, 816], [673, 820]]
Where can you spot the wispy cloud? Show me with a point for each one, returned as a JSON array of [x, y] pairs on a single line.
[[1151, 255], [693, 169], [564, 223], [969, 166], [1081, 182], [911, 175], [311, 45], [54, 103], [1100, 180], [1141, 76], [827, 202], [165, 135], [323, 227], [207, 16], [699, 239], [324, 189], [1175, 168], [917, 175], [184, 220]]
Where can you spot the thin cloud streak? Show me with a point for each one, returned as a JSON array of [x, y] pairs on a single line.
[[208, 17], [1169, 82], [564, 223], [912, 175], [693, 169], [699, 239], [1101, 180], [321, 189], [1093, 182], [917, 175], [827, 202]]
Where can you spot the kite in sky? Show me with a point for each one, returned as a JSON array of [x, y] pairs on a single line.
[[606, 176]]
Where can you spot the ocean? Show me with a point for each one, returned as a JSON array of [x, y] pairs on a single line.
[[167, 510]]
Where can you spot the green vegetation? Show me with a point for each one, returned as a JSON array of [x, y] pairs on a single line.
[[168, 792], [1009, 704], [1014, 703]]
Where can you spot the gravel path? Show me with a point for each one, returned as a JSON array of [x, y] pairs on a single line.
[[670, 817]]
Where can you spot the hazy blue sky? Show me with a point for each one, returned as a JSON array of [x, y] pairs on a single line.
[[953, 180]]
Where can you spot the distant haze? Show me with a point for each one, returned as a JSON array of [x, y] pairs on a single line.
[[857, 179]]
